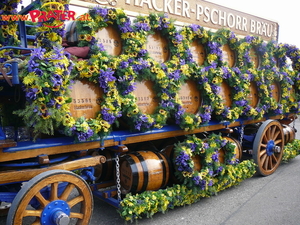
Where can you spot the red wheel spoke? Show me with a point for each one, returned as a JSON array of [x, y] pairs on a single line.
[[64, 196]]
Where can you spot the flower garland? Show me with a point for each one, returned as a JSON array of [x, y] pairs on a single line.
[[9, 29], [292, 91], [96, 70], [141, 67], [134, 207], [259, 76], [291, 150], [211, 166], [217, 73]]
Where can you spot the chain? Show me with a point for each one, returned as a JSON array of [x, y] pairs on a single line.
[[242, 134], [118, 176]]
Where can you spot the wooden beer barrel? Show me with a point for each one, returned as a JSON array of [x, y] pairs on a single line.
[[105, 171], [86, 98], [228, 55], [225, 92], [252, 97], [198, 52], [168, 152], [110, 39], [157, 46], [238, 148], [146, 97], [190, 96], [143, 170], [289, 134], [276, 93]]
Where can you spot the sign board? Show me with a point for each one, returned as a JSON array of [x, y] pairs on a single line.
[[200, 12]]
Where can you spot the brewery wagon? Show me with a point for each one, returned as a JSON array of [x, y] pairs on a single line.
[[127, 105]]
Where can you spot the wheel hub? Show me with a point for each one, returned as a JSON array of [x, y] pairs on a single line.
[[272, 148], [56, 213]]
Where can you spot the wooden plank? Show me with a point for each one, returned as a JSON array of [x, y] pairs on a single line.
[[7, 144], [27, 174], [5, 157]]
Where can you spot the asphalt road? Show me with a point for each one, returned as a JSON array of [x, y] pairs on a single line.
[[271, 200]]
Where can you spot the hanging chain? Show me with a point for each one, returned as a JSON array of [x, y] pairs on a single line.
[[118, 177], [242, 134]]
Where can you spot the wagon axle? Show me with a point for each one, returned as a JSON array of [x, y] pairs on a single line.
[[272, 148], [56, 213]]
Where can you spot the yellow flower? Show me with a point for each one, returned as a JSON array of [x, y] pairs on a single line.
[[189, 120], [30, 78], [52, 36]]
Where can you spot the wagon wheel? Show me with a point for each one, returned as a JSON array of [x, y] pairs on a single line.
[[52, 195], [268, 147]]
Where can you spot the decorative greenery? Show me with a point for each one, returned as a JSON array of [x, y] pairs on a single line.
[[148, 203], [291, 150], [9, 29], [207, 153]]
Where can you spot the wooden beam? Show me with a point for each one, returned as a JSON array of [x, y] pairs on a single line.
[[27, 174]]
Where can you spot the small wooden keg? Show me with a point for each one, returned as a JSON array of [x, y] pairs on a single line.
[[157, 46], [147, 100], [190, 97], [198, 52], [143, 170], [86, 98], [289, 133], [228, 55]]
